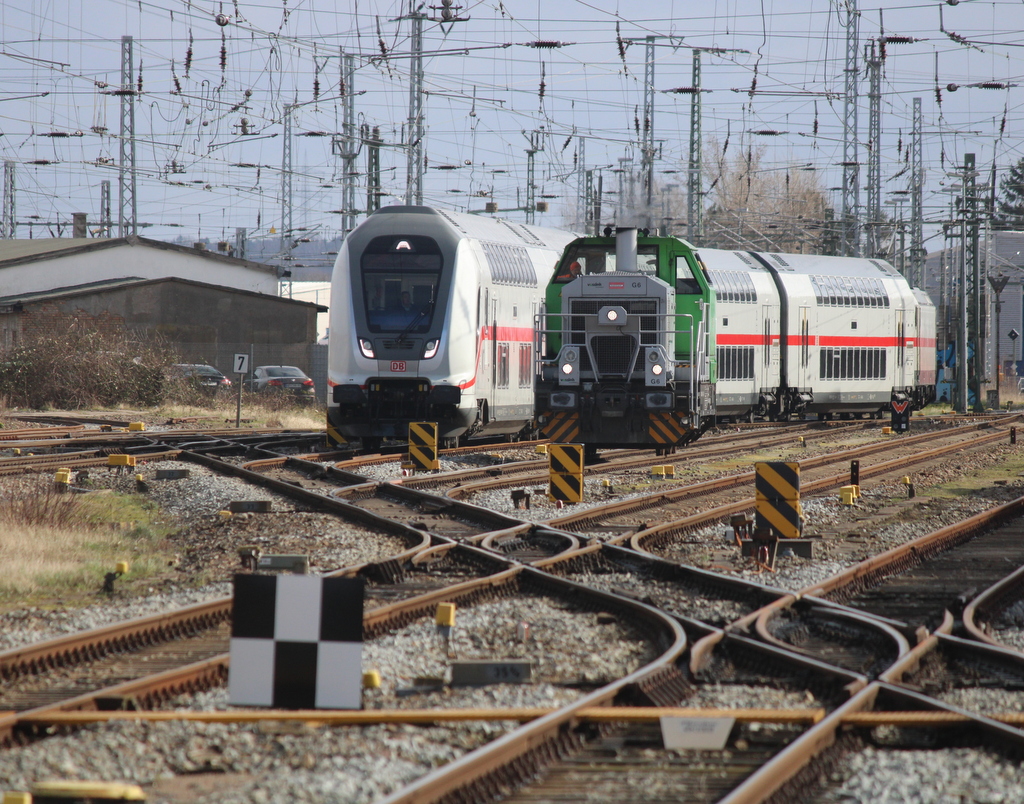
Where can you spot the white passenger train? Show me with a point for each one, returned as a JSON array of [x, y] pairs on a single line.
[[801, 333], [432, 320]]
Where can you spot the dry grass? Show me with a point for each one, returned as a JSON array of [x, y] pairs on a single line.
[[61, 544]]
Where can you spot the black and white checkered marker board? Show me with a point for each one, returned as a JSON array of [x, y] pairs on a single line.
[[296, 642]]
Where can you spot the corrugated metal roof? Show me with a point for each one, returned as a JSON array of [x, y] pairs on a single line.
[[13, 252], [111, 284]]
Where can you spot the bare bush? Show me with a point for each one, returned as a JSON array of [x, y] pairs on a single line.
[[79, 368]]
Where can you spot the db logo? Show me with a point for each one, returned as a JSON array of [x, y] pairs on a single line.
[[398, 365]]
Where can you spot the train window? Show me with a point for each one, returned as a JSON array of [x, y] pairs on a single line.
[[503, 373], [525, 365], [736, 362], [400, 277], [852, 364]]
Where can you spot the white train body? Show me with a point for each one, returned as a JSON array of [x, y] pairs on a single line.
[[460, 351], [825, 335]]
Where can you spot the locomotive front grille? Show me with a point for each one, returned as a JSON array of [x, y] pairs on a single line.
[[615, 355]]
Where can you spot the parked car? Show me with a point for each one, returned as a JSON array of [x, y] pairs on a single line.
[[284, 379], [204, 377]]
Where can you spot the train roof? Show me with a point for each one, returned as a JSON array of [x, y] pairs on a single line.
[[479, 227], [821, 265]]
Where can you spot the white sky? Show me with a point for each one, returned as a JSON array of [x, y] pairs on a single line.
[[275, 52]]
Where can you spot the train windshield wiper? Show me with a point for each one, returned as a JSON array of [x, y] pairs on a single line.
[[415, 321]]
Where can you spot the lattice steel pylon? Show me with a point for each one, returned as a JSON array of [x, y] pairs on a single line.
[[348, 147], [694, 174], [9, 223], [414, 133], [916, 272], [873, 224], [127, 207], [647, 131], [286, 186], [536, 146], [849, 241]]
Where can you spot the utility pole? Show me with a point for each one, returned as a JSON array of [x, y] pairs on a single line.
[[127, 218], [916, 274], [414, 129], [598, 195], [373, 191], [849, 243], [10, 223], [874, 210], [998, 283], [588, 201], [536, 146], [241, 236], [106, 222], [584, 183]]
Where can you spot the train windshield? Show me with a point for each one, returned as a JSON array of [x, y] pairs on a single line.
[[400, 278], [592, 258]]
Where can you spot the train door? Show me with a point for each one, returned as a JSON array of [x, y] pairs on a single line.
[[772, 343], [904, 356], [802, 375]]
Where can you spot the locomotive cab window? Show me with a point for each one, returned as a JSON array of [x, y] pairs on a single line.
[[400, 276], [589, 258]]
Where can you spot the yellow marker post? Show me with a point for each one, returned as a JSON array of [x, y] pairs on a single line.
[[565, 472], [423, 446]]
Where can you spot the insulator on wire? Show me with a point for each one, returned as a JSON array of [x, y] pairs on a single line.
[[188, 54], [223, 52]]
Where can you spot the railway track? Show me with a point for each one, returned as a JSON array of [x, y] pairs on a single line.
[[406, 588]]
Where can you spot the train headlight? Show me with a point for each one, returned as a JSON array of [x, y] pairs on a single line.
[[431, 349], [657, 363], [568, 366], [612, 316], [366, 347]]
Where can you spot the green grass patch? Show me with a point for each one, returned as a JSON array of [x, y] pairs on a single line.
[[62, 545]]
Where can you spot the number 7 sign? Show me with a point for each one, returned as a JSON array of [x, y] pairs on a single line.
[[241, 363]]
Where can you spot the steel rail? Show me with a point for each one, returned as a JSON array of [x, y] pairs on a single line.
[[996, 597], [792, 770]]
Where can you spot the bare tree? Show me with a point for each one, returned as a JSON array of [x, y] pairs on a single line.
[[766, 209]]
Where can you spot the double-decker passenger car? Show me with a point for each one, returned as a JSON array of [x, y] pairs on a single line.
[[431, 319], [645, 340]]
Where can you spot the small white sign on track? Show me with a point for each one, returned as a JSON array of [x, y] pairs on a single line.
[[696, 732], [241, 363]]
